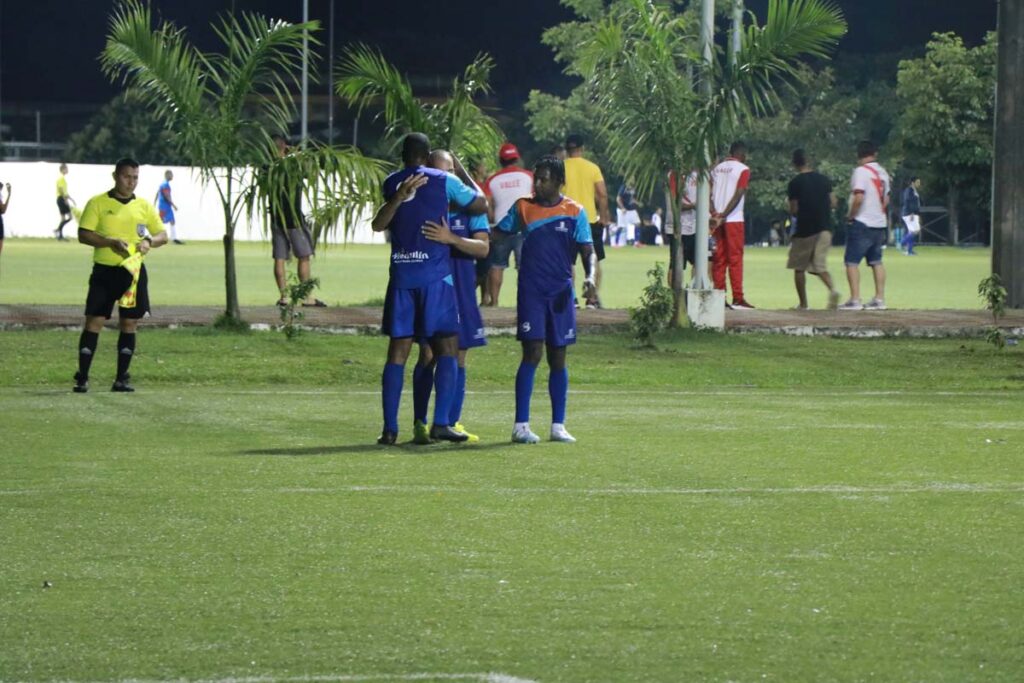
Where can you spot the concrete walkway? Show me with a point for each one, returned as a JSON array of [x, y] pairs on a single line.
[[911, 323]]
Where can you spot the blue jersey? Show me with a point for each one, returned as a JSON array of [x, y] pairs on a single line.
[[552, 236], [162, 201], [415, 260], [471, 324]]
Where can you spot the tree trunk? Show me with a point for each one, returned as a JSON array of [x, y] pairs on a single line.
[[677, 272], [231, 310], [1008, 167], [954, 215]]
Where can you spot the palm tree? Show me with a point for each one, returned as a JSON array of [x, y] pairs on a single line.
[[364, 77], [223, 108], [645, 74]]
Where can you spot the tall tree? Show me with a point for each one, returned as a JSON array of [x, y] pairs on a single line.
[[117, 130], [221, 110], [644, 75], [946, 126], [365, 78]]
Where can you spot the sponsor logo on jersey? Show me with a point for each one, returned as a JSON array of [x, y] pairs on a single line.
[[409, 256], [562, 226], [526, 327]]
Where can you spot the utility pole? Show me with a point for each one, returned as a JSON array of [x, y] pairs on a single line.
[[700, 269], [737, 31], [330, 73], [305, 75], [1008, 165]]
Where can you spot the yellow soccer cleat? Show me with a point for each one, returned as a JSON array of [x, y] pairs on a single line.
[[420, 433], [471, 438]]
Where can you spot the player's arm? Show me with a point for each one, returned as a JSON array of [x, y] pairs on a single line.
[[601, 198], [468, 198], [741, 189], [6, 202], [406, 189], [476, 246], [833, 200], [585, 243], [855, 203]]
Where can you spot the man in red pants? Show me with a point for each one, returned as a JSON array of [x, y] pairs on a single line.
[[729, 181]]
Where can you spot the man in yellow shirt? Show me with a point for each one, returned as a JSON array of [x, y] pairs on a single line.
[[64, 202], [117, 224], [584, 183]]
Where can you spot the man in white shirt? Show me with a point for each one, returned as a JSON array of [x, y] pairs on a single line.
[[502, 190], [687, 219], [729, 181], [867, 226]]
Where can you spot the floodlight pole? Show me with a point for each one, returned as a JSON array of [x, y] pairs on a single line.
[[700, 269], [305, 74], [1008, 164], [330, 70], [737, 30]]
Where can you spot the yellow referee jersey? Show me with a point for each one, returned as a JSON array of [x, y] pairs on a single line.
[[121, 219], [62, 187]]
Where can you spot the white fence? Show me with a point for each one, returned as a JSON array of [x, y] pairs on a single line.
[[33, 208]]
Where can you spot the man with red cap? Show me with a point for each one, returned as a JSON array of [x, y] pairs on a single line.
[[502, 189]]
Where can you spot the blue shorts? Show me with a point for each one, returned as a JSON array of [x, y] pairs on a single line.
[[423, 312], [551, 319], [167, 215], [501, 250], [471, 323], [863, 242]]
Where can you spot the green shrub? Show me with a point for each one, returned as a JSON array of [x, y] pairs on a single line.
[[655, 309]]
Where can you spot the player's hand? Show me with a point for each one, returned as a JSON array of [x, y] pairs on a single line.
[[438, 232], [119, 247], [407, 188], [143, 247]]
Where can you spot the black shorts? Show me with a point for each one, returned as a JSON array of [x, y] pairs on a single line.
[[107, 284], [597, 235], [689, 247], [62, 206]]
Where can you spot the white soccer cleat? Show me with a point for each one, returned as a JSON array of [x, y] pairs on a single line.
[[875, 304], [852, 305], [559, 433], [524, 435]]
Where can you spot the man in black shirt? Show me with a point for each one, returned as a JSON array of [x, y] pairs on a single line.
[[811, 203]]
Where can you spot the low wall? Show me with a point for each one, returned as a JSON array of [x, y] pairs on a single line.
[[33, 208]]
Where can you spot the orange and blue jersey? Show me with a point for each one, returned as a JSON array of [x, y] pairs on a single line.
[[553, 234], [415, 260]]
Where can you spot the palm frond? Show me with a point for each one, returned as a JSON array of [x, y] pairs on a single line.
[[363, 77], [158, 65]]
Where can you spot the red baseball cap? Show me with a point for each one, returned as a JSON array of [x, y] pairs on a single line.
[[508, 152]]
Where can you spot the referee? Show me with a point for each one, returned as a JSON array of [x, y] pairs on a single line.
[[117, 224]]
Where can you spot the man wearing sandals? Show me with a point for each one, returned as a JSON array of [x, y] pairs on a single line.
[[290, 235]]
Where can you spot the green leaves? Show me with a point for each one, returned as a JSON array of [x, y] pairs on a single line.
[[365, 78]]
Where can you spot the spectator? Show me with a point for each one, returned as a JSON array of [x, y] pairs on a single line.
[[730, 180], [584, 184], [627, 214], [911, 210], [811, 201], [868, 226], [502, 189], [687, 221]]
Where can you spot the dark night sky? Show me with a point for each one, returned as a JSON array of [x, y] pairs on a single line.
[[49, 47]]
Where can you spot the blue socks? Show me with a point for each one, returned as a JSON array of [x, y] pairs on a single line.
[[455, 414], [445, 373], [558, 389], [422, 385], [391, 394], [524, 390]]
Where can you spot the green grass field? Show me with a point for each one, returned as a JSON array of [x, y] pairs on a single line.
[[738, 508], [48, 272]]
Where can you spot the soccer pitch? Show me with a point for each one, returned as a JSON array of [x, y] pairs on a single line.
[[940, 277], [738, 508]]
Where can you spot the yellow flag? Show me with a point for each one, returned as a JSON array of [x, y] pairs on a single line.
[[134, 266]]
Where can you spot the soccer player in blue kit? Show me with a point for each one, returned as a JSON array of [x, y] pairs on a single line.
[[420, 299], [468, 237], [556, 228]]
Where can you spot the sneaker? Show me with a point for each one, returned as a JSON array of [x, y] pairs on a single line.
[[446, 433], [471, 438], [559, 433], [122, 386], [420, 433], [799, 308], [852, 305], [179, 242], [387, 438], [875, 304], [833, 300], [81, 383], [524, 435], [742, 305]]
